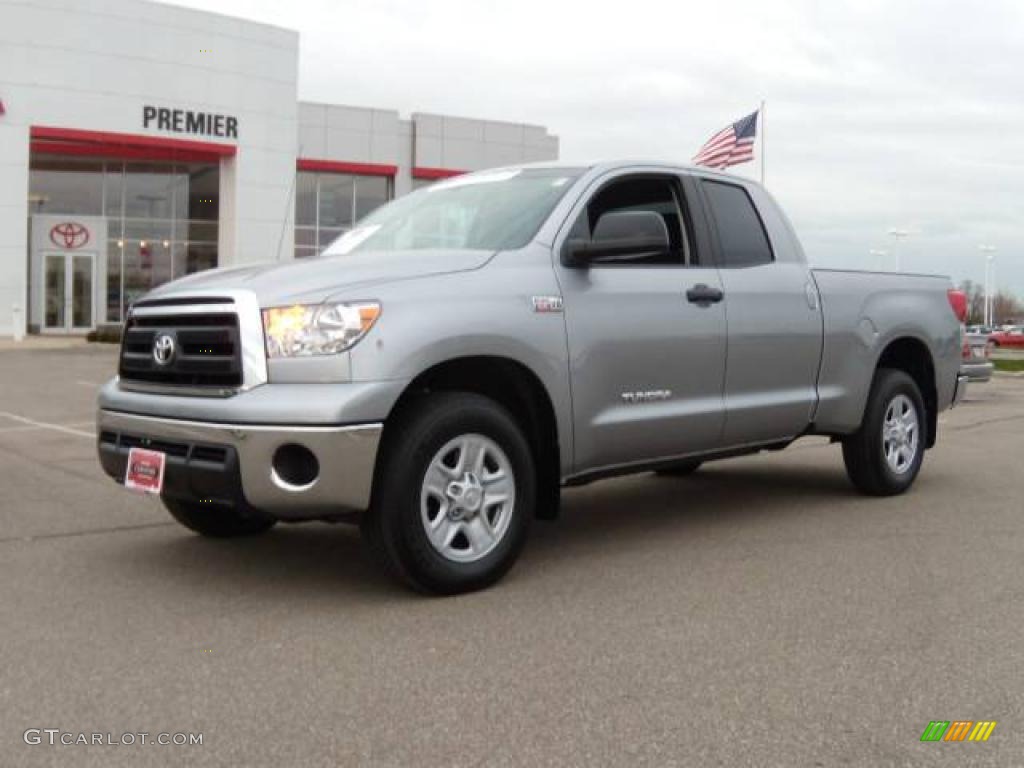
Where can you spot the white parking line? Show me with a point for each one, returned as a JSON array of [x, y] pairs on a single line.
[[30, 428], [43, 425]]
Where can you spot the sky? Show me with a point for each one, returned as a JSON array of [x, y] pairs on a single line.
[[881, 115]]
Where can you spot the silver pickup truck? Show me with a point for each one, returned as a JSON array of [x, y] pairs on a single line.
[[466, 351]]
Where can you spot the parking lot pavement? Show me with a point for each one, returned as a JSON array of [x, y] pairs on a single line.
[[756, 613]]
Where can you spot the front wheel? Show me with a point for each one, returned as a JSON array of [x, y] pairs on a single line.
[[455, 494], [884, 456]]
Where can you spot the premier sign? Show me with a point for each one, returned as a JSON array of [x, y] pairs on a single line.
[[187, 121]]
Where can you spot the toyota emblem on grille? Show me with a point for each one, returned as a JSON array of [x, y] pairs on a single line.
[[163, 349]]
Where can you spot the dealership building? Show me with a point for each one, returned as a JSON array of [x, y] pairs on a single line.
[[141, 141]]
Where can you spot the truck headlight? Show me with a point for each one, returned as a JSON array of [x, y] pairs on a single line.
[[305, 330]]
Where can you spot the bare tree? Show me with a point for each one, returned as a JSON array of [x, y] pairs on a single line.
[[1007, 309], [975, 302]]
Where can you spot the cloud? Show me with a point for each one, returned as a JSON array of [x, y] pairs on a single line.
[[880, 114]]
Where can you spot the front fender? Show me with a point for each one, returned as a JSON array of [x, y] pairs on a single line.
[[487, 312]]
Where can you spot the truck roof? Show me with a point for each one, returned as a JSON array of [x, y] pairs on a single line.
[[614, 165]]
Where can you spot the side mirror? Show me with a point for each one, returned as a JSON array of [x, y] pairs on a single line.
[[619, 233]]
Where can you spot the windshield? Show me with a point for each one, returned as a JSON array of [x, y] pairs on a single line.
[[493, 210]]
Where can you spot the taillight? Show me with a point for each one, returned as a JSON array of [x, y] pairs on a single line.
[[958, 303]]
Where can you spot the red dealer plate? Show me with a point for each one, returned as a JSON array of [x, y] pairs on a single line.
[[145, 470]]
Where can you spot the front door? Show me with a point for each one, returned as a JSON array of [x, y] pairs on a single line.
[[68, 290], [647, 362]]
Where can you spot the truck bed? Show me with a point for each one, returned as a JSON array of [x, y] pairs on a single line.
[[862, 312]]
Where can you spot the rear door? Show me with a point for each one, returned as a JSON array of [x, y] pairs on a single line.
[[646, 364], [773, 318]]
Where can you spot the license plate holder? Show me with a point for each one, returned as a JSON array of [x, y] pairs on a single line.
[[145, 470]]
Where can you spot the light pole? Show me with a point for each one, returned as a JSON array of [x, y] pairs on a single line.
[[881, 257], [897, 235], [990, 280]]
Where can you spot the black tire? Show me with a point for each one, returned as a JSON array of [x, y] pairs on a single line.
[[682, 469], [864, 452], [217, 520], [394, 527]]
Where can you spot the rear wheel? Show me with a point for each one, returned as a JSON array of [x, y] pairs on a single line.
[[884, 456], [455, 494], [216, 520], [681, 469]]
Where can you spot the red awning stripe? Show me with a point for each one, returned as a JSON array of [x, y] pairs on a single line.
[[150, 147], [421, 172], [338, 166], [73, 149]]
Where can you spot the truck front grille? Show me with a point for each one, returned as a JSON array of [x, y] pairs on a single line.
[[206, 348]]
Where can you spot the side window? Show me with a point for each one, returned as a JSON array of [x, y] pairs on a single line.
[[740, 231], [641, 194]]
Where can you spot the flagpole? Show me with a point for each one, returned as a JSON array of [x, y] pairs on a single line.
[[764, 136]]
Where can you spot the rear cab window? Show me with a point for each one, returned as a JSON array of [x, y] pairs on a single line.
[[743, 241]]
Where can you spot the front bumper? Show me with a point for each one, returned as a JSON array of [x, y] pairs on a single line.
[[233, 463]]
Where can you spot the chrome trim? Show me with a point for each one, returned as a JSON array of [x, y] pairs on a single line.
[[149, 388], [250, 337], [287, 487], [242, 429], [646, 396], [164, 349], [347, 455]]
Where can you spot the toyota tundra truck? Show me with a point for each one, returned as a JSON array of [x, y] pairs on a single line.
[[447, 366]]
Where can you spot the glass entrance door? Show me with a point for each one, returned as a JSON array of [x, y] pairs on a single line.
[[68, 288]]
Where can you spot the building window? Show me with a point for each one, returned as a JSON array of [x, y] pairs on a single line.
[[329, 204], [59, 185], [162, 218], [168, 227]]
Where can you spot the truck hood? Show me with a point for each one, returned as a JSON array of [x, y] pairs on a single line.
[[316, 279]]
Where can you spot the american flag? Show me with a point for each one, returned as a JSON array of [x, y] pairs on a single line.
[[732, 145]]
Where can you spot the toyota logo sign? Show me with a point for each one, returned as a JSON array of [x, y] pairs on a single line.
[[163, 349], [69, 234]]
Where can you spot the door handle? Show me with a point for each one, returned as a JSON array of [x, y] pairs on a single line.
[[703, 295]]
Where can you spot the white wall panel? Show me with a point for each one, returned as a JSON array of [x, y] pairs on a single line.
[[462, 154], [427, 125], [427, 153], [349, 118], [460, 128], [502, 154], [13, 220], [350, 146], [503, 133]]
